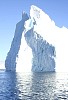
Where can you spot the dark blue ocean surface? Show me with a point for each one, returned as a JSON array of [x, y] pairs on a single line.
[[33, 86]]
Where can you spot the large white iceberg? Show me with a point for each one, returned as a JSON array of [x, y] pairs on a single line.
[[31, 48]]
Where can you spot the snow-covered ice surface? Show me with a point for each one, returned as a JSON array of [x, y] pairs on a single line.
[[38, 45]]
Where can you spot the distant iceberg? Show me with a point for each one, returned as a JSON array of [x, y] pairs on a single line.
[[31, 48]]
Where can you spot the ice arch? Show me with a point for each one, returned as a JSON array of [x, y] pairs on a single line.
[[29, 49]]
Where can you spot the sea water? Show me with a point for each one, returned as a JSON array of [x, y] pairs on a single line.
[[33, 86]]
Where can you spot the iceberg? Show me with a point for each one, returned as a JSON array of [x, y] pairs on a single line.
[[31, 48], [10, 62]]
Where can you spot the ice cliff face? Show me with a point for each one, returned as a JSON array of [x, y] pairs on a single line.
[[29, 46], [10, 62]]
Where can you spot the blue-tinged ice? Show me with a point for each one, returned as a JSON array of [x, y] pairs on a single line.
[[29, 49], [43, 52], [10, 62]]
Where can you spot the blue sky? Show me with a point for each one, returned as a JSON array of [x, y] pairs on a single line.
[[10, 15]]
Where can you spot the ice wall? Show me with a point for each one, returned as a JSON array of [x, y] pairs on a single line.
[[10, 62], [29, 46], [43, 52]]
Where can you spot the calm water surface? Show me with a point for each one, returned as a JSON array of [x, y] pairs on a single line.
[[33, 86]]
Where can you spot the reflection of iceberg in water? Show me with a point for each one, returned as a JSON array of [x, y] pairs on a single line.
[[43, 86], [24, 81], [29, 47], [36, 86], [61, 88], [8, 89], [33, 86]]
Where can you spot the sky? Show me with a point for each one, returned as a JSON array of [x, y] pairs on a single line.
[[11, 14]]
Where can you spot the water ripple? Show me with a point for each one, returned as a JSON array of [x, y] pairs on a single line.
[[33, 86]]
